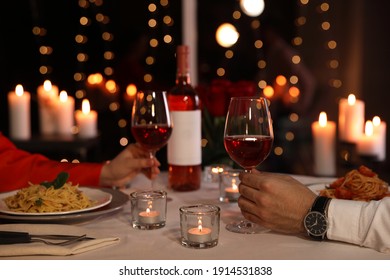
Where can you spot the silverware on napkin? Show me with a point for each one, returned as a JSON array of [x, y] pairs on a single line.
[[14, 237]]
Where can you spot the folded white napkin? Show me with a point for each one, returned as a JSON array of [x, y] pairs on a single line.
[[38, 248]]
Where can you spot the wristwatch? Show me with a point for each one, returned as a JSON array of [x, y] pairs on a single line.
[[315, 221]]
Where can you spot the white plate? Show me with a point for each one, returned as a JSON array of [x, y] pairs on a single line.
[[100, 198], [317, 187]]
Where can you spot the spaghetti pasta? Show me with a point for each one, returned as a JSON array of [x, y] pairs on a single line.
[[40, 199], [358, 184]]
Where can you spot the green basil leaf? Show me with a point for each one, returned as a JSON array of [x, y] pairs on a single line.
[[58, 182]]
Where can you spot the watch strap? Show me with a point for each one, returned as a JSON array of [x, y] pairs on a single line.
[[320, 204]]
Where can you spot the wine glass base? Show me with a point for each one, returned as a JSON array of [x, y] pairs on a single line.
[[246, 227]]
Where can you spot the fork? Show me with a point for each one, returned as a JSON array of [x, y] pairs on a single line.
[[12, 237], [61, 243]]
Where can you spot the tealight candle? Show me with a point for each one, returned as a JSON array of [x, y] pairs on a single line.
[[199, 225], [148, 209], [324, 134], [199, 234], [19, 113], [232, 193], [86, 120], [65, 114], [228, 185], [351, 119], [48, 102], [149, 216]]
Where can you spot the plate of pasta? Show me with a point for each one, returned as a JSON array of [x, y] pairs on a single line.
[[358, 184], [37, 200]]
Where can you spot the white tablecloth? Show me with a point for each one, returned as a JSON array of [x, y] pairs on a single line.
[[164, 243]]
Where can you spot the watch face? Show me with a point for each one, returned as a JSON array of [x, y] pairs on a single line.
[[316, 223]]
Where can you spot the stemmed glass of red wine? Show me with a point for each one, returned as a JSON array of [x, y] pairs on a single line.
[[248, 140], [151, 123]]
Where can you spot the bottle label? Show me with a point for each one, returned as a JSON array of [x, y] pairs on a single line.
[[184, 145]]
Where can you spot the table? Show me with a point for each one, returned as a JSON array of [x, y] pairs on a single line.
[[164, 243]]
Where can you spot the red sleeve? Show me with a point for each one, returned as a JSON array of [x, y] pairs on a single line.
[[18, 167]]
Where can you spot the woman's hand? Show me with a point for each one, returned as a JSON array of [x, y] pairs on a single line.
[[127, 164], [275, 201]]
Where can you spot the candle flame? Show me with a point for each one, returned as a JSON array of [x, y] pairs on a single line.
[[369, 128], [19, 90], [322, 120], [200, 227], [376, 121], [47, 85], [217, 170], [234, 185], [351, 99], [63, 96], [85, 107], [148, 211]]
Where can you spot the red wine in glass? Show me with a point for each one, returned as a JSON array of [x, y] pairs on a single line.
[[248, 139], [152, 136], [248, 150]]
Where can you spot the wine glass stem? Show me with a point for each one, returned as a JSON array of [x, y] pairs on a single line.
[[152, 155]]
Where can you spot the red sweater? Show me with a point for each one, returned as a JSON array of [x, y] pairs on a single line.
[[18, 167]]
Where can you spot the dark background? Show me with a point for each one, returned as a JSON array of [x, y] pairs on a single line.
[[360, 28]]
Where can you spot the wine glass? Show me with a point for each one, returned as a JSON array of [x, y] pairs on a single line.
[[248, 140], [151, 123]]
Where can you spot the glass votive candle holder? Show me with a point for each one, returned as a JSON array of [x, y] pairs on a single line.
[[199, 226], [211, 172], [228, 185], [148, 209]]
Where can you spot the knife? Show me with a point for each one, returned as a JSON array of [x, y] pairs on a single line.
[[12, 237]]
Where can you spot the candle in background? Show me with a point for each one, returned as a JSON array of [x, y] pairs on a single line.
[[380, 131], [86, 120], [324, 135], [65, 114], [19, 113], [351, 119], [368, 144], [232, 193], [48, 105]]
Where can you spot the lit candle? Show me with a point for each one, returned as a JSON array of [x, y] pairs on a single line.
[[19, 113], [149, 217], [232, 193], [199, 234], [368, 144], [324, 133], [65, 113], [351, 119], [380, 131], [86, 120], [48, 104]]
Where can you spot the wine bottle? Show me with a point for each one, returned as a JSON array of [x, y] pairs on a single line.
[[184, 146]]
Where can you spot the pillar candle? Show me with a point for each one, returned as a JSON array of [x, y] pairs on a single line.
[[19, 113], [48, 105], [380, 131], [86, 120], [351, 119], [65, 114], [324, 134], [368, 144]]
